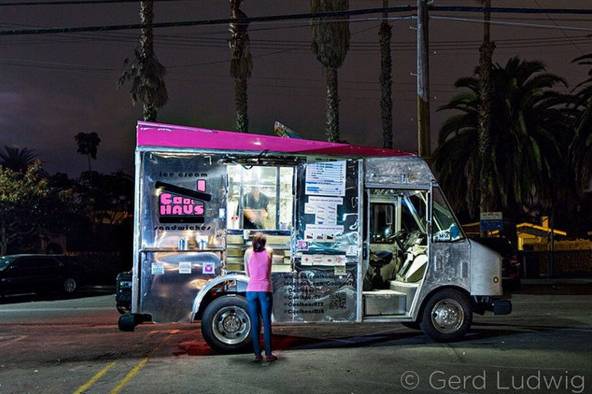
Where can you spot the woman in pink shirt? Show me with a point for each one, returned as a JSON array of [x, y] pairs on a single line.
[[259, 294]]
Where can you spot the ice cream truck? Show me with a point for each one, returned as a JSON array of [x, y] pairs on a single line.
[[359, 235]]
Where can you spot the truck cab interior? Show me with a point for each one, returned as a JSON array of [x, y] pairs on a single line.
[[397, 233]]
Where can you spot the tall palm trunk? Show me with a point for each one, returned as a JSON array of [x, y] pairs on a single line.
[[147, 50], [145, 73], [240, 102], [386, 100], [332, 104], [487, 201], [241, 64], [330, 43]]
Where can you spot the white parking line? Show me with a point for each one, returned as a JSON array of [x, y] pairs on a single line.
[[90, 308], [13, 340]]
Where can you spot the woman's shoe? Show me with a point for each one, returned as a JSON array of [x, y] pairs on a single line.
[[270, 358], [259, 358]]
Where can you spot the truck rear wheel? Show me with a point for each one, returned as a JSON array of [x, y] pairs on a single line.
[[446, 316], [226, 326]]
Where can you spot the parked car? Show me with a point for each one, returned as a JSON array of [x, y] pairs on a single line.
[[511, 267], [39, 273], [123, 292]]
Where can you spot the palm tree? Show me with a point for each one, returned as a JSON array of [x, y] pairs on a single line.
[[526, 158], [145, 74], [386, 80], [17, 159], [241, 64], [581, 147], [87, 145], [330, 43], [486, 188]]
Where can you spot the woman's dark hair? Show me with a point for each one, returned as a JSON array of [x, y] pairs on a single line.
[[259, 241]]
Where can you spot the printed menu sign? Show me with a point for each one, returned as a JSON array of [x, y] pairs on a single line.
[[325, 178], [324, 209], [321, 233]]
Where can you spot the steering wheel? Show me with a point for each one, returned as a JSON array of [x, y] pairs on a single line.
[[398, 237]]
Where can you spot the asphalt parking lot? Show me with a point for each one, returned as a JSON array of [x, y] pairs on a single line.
[[73, 345]]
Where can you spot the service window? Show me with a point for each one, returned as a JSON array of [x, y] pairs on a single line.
[[260, 197], [445, 227]]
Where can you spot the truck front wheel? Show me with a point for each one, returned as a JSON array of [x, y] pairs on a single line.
[[447, 316], [226, 326]]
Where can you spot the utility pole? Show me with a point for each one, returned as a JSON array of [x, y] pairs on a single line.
[[386, 79], [423, 80]]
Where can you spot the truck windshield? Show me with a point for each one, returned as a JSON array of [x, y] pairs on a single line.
[[445, 226]]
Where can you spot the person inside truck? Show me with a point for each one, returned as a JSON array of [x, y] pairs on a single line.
[[255, 209]]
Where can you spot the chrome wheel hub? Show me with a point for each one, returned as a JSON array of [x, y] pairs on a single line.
[[447, 316], [231, 325]]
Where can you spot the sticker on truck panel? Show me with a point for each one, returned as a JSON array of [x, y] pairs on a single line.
[[157, 269], [185, 267], [209, 269]]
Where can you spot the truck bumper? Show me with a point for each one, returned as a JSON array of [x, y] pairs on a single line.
[[502, 307], [499, 306]]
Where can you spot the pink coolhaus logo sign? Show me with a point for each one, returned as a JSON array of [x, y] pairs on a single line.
[[172, 205], [181, 205]]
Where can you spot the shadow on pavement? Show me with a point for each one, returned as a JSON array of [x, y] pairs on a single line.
[[292, 342], [481, 332]]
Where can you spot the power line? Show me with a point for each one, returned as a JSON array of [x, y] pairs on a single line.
[[202, 40], [513, 10], [73, 2], [506, 23], [561, 30], [208, 22], [182, 42], [330, 15]]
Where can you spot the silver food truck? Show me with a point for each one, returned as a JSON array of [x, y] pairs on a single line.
[[359, 235]]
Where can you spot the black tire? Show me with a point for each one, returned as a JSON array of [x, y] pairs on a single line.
[[412, 325], [70, 285], [446, 315], [226, 326], [127, 322]]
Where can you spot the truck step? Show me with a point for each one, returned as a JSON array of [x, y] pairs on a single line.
[[384, 302]]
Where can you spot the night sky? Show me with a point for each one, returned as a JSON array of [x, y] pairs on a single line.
[[54, 86]]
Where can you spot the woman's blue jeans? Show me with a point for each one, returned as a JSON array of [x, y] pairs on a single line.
[[260, 304]]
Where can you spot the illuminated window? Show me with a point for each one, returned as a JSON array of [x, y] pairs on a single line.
[[260, 197]]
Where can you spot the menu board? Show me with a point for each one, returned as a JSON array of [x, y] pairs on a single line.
[[325, 178], [327, 207]]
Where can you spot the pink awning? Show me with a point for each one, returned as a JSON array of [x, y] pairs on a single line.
[[171, 136]]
